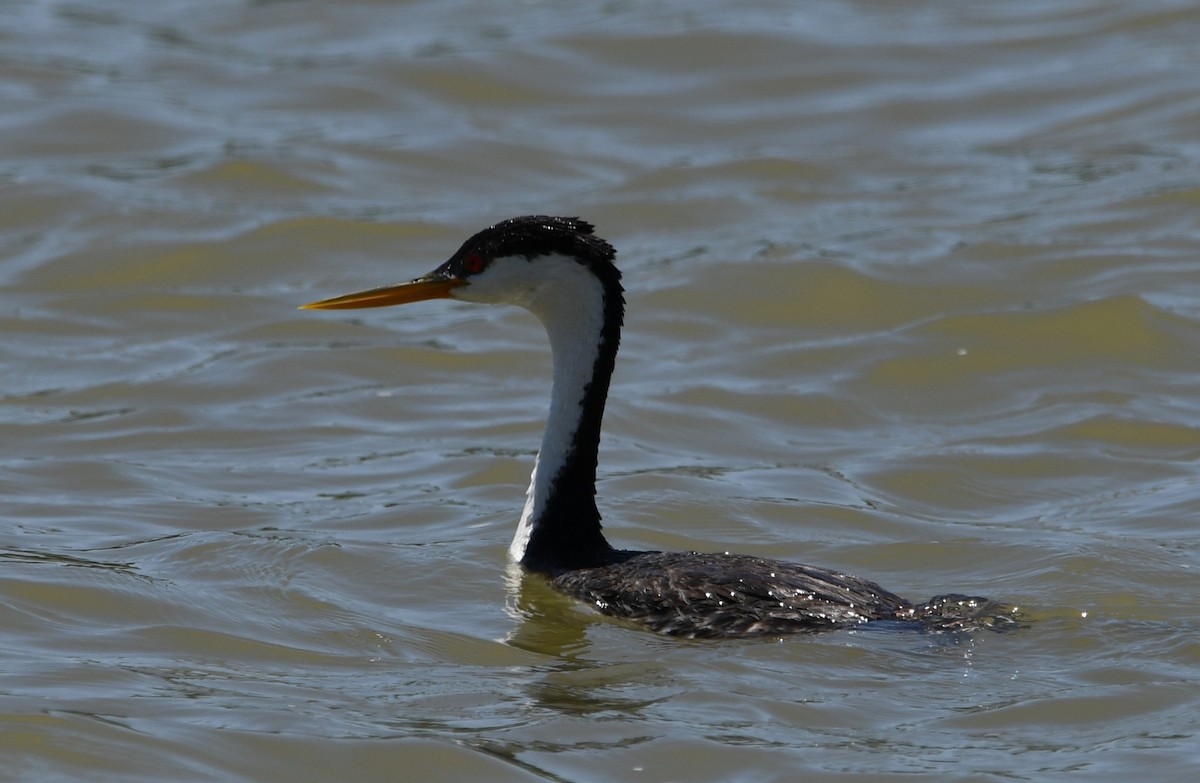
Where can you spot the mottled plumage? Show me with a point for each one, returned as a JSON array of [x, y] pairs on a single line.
[[698, 594], [721, 595]]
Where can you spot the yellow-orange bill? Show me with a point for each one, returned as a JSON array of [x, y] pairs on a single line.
[[418, 290]]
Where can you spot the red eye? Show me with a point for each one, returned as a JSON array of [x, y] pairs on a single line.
[[473, 264]]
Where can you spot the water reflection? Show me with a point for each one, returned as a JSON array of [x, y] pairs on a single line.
[[547, 622]]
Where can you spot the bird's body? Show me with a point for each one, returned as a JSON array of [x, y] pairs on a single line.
[[699, 594], [561, 272]]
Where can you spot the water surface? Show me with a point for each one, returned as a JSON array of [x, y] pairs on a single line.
[[912, 293]]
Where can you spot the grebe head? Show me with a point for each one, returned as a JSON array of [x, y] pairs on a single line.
[[548, 265]]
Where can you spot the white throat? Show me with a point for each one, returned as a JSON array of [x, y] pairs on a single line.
[[569, 301]]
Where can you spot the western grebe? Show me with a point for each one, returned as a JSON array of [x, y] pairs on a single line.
[[559, 270]]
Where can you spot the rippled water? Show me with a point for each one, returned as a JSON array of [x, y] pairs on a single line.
[[913, 293]]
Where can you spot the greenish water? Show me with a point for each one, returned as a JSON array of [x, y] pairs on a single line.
[[912, 293]]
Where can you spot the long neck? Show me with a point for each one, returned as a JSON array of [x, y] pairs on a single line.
[[560, 526]]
